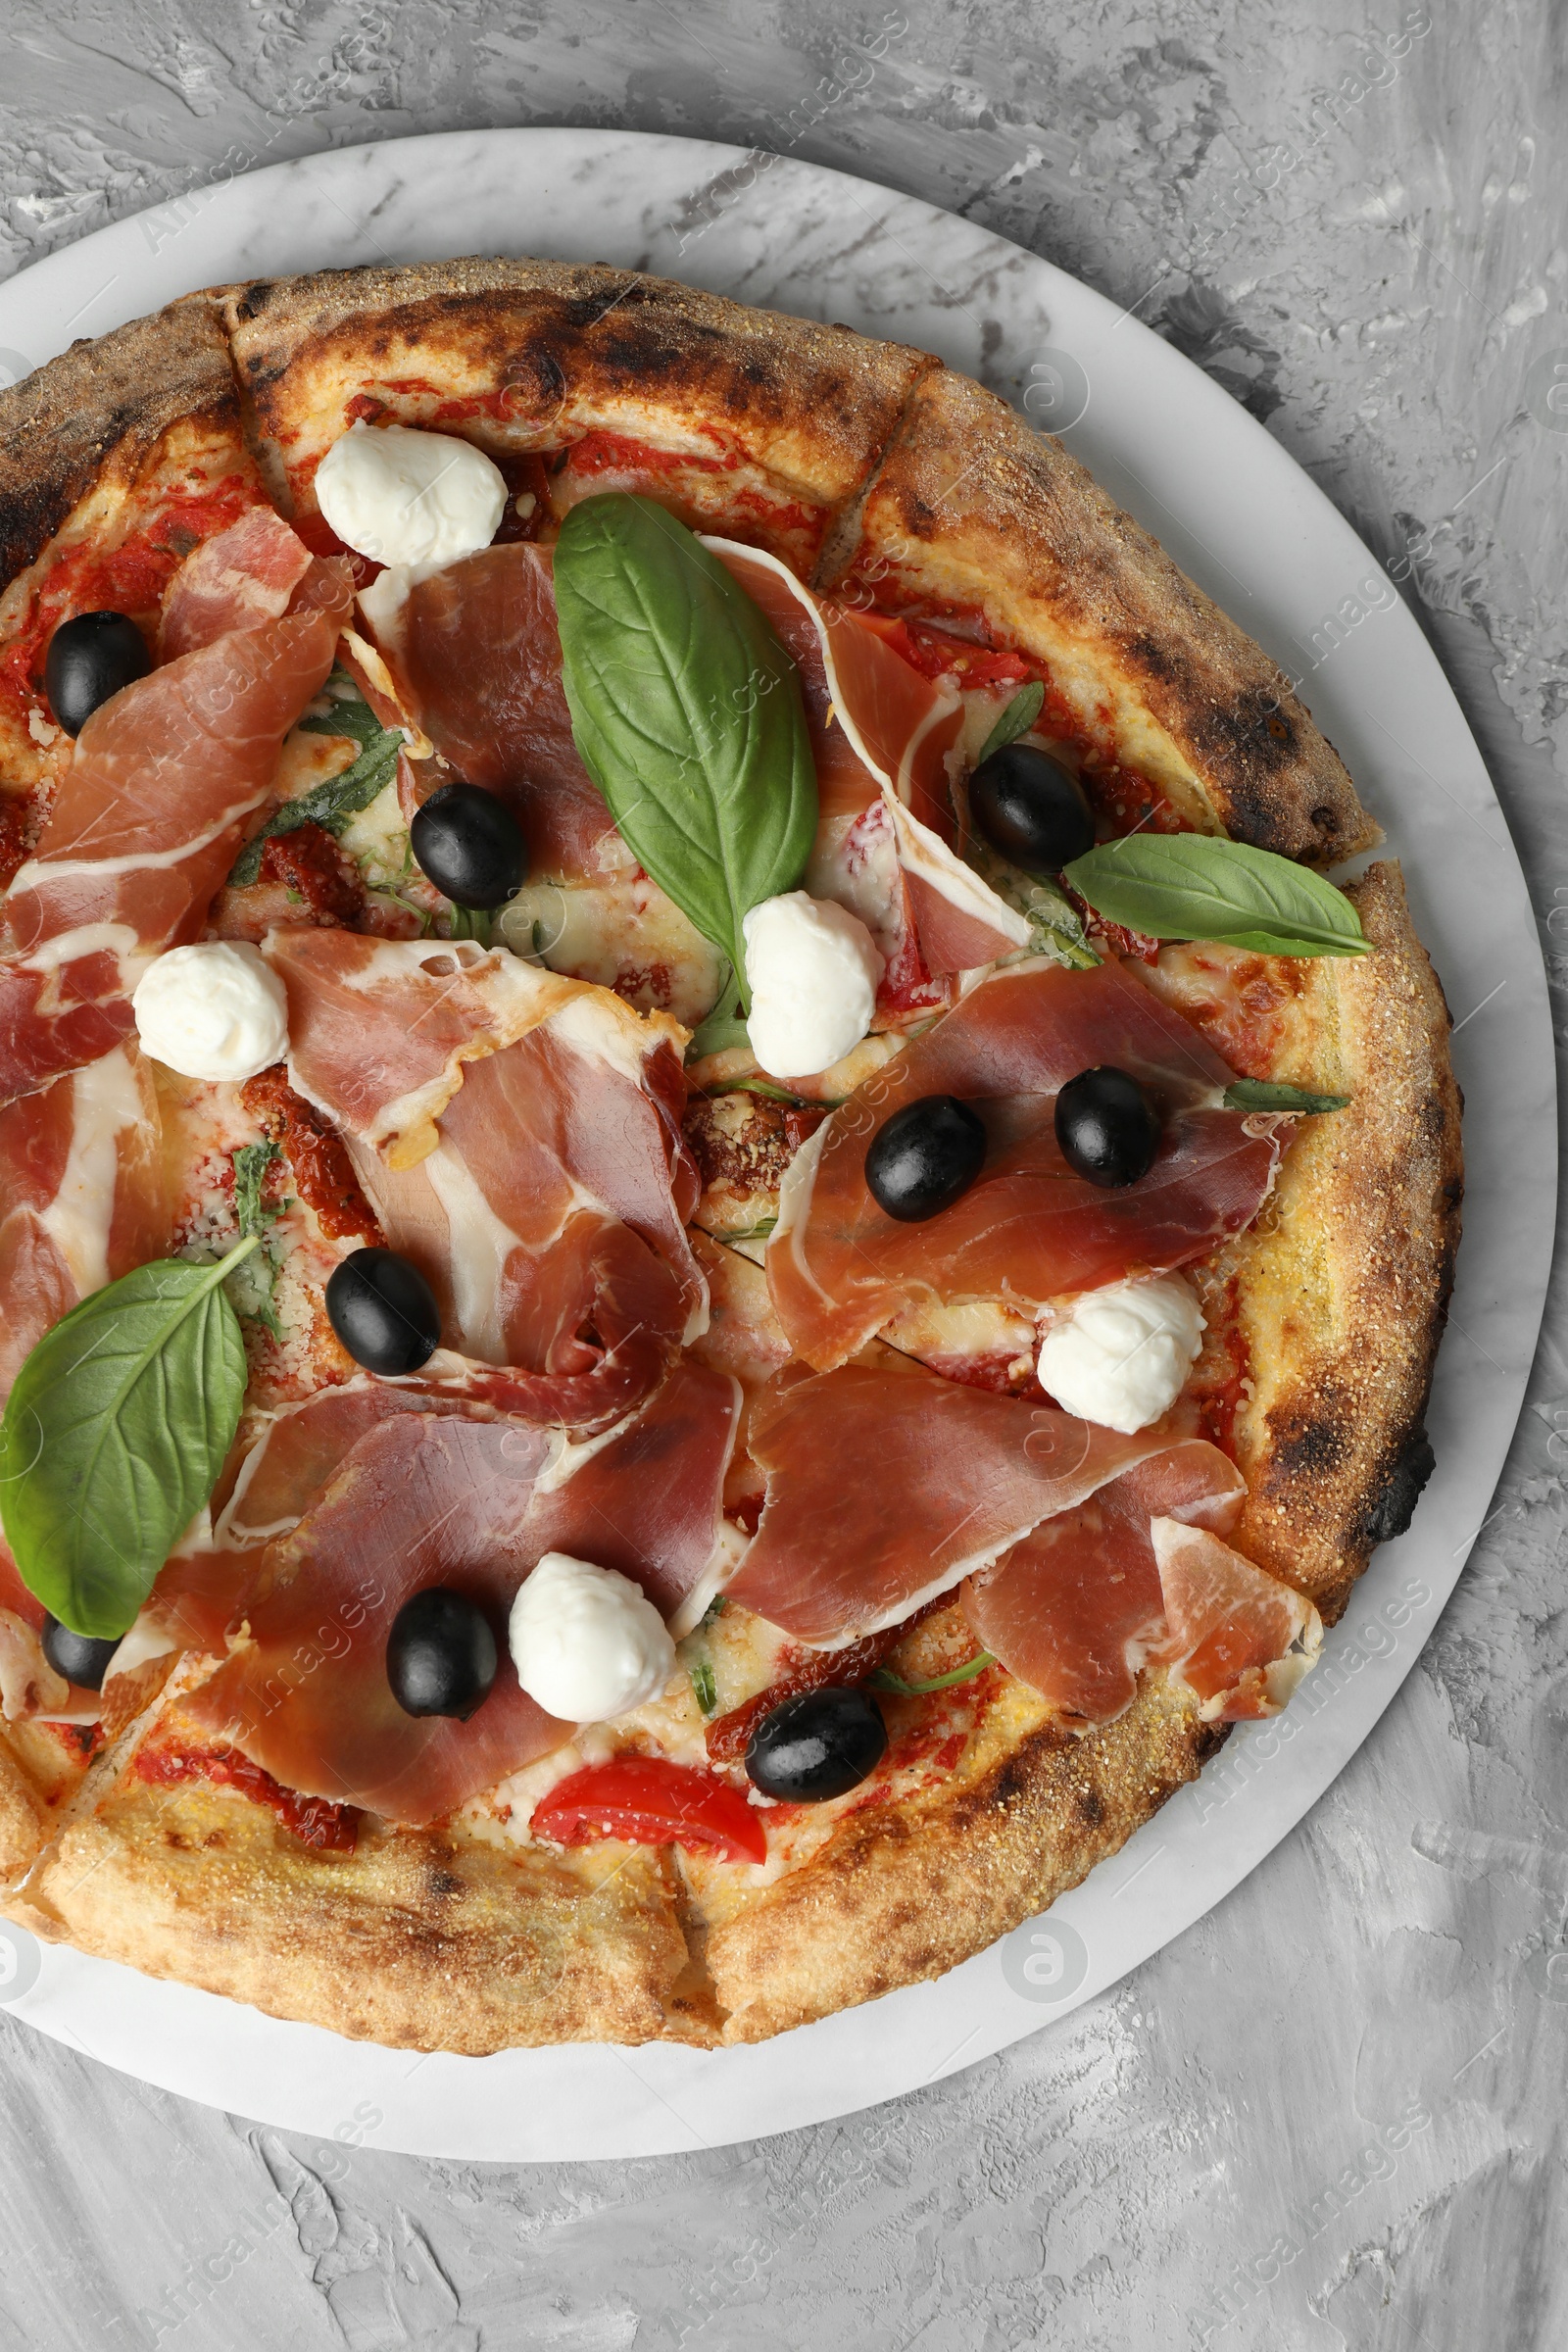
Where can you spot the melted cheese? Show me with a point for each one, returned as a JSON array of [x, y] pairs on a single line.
[[107, 1099]]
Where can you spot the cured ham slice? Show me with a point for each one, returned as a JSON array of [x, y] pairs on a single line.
[[518, 1134], [416, 1502], [1239, 1641], [1077, 1607], [145, 826], [1030, 1229], [81, 1196], [887, 1486], [880, 734], [421, 1500], [242, 576], [477, 654]]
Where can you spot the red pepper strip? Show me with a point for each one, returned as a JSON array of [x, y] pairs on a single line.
[[729, 1736], [649, 1803]]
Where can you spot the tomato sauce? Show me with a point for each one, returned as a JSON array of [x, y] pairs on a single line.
[[314, 1820]]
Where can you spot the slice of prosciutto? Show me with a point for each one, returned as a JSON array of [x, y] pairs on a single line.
[[422, 1499], [235, 580], [1239, 1639], [1030, 1229], [518, 1136], [880, 733], [477, 653], [1077, 1608], [165, 778], [82, 1198], [887, 1485]]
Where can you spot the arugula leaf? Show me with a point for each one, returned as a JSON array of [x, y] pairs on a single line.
[[1261, 1093], [1017, 720], [703, 1688], [885, 1679], [1193, 886], [251, 1163], [686, 711], [342, 795], [114, 1436]]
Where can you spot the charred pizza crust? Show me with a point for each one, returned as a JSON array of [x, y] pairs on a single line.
[[879, 464]]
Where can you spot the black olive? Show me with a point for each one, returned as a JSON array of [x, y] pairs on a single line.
[[77, 1656], [1031, 809], [924, 1157], [1106, 1126], [470, 845], [816, 1745], [90, 659], [441, 1654], [384, 1311]]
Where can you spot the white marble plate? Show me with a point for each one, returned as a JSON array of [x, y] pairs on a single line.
[[1242, 517]]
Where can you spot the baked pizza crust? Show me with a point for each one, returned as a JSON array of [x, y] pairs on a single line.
[[443, 1940]]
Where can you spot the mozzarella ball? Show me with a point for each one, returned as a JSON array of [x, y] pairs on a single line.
[[405, 497], [1121, 1355], [812, 970], [587, 1643], [213, 1011]]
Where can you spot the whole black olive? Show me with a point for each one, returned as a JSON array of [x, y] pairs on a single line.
[[1108, 1127], [924, 1157], [384, 1311], [441, 1654], [1031, 809], [77, 1656], [470, 845], [816, 1745], [90, 659]]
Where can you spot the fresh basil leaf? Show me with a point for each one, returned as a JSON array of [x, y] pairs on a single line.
[[686, 711], [1015, 720], [705, 1688], [1192, 886], [116, 1430], [470, 922], [885, 1679], [723, 1028], [342, 795], [251, 1163], [1261, 1093]]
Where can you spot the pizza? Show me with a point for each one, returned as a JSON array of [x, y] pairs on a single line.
[[713, 1233]]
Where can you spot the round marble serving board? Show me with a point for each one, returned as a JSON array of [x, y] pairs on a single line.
[[1239, 515]]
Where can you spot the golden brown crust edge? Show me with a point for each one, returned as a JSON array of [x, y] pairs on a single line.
[[973, 508], [574, 346], [413, 1942], [1343, 1287], [98, 412]]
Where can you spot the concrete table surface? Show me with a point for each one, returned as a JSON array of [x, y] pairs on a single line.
[[1330, 2115]]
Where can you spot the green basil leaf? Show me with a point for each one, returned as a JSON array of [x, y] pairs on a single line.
[[1015, 720], [723, 1029], [885, 1679], [251, 1163], [705, 1690], [1261, 1093], [686, 711], [1192, 886], [116, 1430], [342, 795]]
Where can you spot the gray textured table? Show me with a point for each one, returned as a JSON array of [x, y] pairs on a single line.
[[1361, 243]]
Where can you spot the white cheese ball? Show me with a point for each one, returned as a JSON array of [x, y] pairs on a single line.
[[405, 497], [1121, 1355], [212, 1011], [587, 1643], [813, 969]]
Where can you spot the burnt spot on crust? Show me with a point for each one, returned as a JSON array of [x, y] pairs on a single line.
[[1315, 1443], [1392, 1504]]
